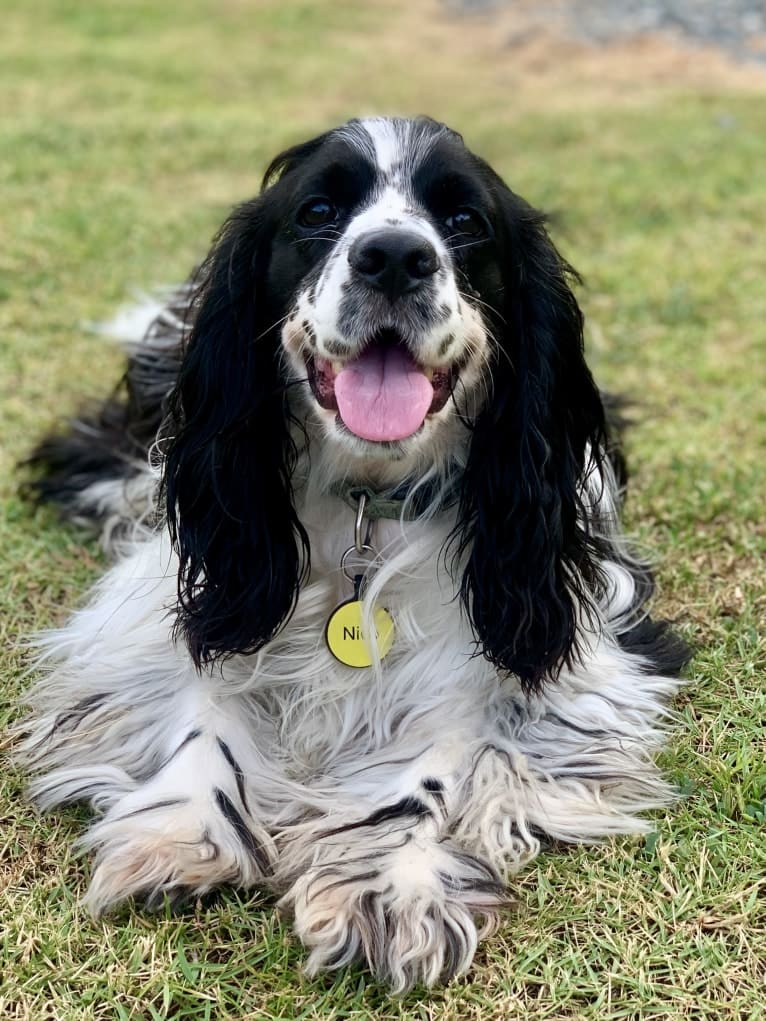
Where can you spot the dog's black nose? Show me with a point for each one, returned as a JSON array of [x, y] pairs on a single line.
[[395, 262]]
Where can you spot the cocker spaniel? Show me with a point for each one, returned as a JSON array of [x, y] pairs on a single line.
[[373, 635]]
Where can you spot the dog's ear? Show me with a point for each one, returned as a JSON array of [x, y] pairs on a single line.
[[229, 452], [530, 569]]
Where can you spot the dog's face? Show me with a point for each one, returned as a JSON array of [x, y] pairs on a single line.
[[389, 236]]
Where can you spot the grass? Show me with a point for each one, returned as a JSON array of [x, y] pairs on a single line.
[[132, 128]]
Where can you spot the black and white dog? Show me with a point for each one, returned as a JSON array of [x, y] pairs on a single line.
[[373, 636]]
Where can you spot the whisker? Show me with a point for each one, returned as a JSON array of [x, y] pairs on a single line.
[[274, 325], [473, 300], [468, 244], [335, 236], [496, 346]]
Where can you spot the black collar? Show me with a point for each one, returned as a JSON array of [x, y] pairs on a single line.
[[400, 504]]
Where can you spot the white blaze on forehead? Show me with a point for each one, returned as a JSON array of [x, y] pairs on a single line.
[[389, 140], [394, 143]]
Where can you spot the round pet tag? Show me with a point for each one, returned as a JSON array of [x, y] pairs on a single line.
[[344, 634]]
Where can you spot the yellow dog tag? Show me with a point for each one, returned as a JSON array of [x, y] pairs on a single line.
[[344, 634]]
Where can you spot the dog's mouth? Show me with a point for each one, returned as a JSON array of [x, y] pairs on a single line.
[[383, 394]]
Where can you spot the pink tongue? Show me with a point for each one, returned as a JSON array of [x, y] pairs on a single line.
[[383, 395]]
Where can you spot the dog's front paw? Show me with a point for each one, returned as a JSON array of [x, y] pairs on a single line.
[[416, 918], [174, 846]]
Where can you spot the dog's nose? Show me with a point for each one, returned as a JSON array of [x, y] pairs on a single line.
[[395, 262]]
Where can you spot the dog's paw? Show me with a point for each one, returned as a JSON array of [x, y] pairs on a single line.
[[175, 846], [415, 918]]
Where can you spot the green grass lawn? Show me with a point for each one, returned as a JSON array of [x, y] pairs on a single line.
[[129, 129]]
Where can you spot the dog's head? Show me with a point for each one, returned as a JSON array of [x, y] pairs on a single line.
[[389, 298], [391, 220]]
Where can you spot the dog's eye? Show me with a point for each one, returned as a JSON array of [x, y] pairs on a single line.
[[466, 221], [317, 213]]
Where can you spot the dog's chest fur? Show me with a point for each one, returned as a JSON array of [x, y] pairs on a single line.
[[324, 711]]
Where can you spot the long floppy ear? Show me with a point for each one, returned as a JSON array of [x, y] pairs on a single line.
[[229, 454], [531, 568]]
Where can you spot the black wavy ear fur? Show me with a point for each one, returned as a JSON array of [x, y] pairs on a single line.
[[229, 454], [531, 567]]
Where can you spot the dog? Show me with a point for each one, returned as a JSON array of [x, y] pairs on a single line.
[[373, 636]]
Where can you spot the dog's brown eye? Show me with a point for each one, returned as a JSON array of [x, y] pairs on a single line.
[[465, 221], [317, 213]]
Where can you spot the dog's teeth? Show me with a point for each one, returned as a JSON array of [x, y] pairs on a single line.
[[429, 374], [337, 367]]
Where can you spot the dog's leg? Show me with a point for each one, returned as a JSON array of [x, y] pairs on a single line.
[[406, 868], [574, 763], [398, 893], [165, 755], [193, 825], [378, 876]]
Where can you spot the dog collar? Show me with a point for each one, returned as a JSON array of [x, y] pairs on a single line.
[[389, 505]]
